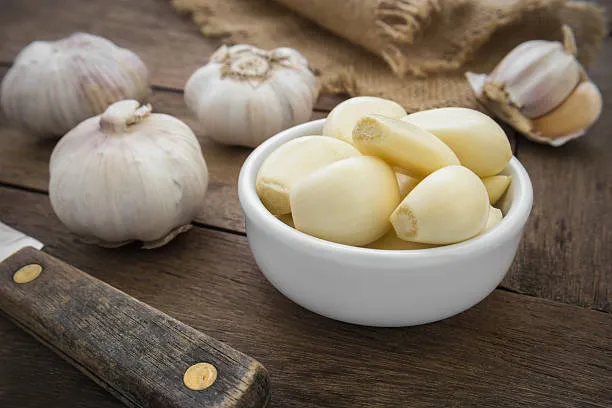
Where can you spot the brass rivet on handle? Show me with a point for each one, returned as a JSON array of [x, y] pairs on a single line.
[[27, 273], [200, 376]]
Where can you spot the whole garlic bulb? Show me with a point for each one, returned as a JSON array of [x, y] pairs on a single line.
[[245, 95], [55, 85], [530, 86], [127, 175]]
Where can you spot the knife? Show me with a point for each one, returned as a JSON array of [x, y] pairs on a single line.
[[142, 356]]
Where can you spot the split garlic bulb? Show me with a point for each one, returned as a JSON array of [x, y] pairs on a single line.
[[128, 175], [245, 95], [534, 88], [55, 85]]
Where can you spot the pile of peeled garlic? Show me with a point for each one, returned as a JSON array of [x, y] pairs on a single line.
[[386, 180], [54, 85], [128, 175], [541, 90], [245, 95]]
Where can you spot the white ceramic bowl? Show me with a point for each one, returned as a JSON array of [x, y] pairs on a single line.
[[378, 287]]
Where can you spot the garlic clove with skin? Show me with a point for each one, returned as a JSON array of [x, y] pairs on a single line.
[[401, 144], [531, 85], [293, 161], [496, 186], [348, 201], [128, 175], [53, 86], [342, 119], [570, 119], [448, 206], [245, 95], [478, 141]]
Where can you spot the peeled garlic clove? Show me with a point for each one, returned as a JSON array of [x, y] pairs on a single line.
[[390, 241], [53, 86], [572, 118], [287, 219], [348, 202], [406, 183], [402, 144], [343, 118], [496, 186], [128, 175], [448, 206], [245, 95], [478, 141], [495, 216], [293, 161]]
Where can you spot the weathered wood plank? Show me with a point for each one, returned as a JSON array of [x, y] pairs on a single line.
[[509, 351], [566, 253]]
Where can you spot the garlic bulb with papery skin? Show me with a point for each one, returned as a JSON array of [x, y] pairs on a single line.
[[128, 175], [54, 85], [533, 86], [245, 95]]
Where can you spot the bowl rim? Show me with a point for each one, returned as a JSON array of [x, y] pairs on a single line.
[[253, 208]]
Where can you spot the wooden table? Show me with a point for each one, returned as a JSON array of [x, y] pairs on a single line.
[[543, 338]]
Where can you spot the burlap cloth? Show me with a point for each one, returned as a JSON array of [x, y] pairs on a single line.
[[412, 51]]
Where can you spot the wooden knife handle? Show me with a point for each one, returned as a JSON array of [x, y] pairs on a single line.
[[134, 351]]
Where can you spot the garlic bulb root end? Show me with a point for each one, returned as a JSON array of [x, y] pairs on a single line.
[[167, 238]]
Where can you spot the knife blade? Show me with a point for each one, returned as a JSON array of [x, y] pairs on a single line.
[[142, 356]]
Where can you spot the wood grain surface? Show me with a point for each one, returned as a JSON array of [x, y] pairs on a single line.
[[134, 351], [509, 351]]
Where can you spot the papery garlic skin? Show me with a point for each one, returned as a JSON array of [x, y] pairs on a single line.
[[245, 95], [478, 141], [537, 75], [342, 119], [402, 144], [496, 186], [448, 206], [54, 85], [293, 161], [128, 175], [348, 202]]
